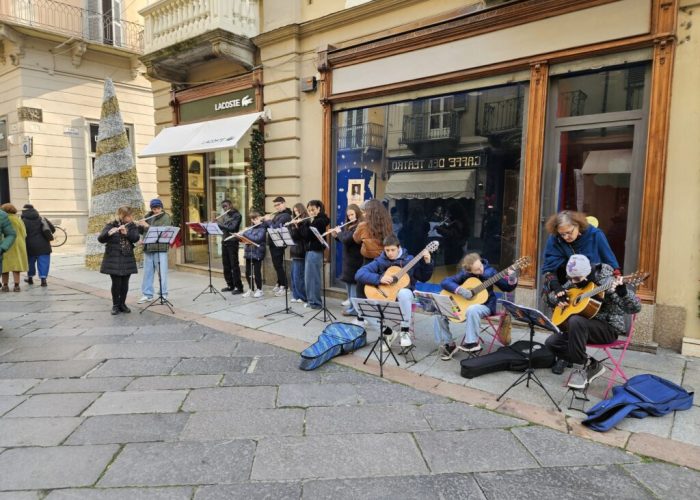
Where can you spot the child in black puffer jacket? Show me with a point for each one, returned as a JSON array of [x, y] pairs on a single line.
[[254, 255]]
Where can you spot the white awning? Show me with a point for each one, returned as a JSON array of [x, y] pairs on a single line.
[[431, 185], [201, 137], [608, 161]]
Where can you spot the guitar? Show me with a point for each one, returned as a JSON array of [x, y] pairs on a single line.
[[400, 275], [586, 301], [479, 289]]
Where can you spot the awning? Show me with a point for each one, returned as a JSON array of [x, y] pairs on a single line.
[[431, 185], [609, 161], [201, 137]]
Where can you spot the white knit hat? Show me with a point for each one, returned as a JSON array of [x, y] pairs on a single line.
[[578, 266]]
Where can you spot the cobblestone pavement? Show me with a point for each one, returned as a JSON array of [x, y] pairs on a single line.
[[149, 406]]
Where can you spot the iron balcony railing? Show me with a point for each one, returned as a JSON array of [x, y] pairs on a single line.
[[428, 127], [72, 21], [364, 135], [572, 103], [502, 116]]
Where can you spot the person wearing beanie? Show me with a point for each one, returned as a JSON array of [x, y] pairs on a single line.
[[577, 330], [154, 253], [38, 246]]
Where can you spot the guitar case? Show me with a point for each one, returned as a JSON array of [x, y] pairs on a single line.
[[335, 340], [511, 358]]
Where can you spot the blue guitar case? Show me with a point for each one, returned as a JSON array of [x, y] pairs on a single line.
[[335, 340]]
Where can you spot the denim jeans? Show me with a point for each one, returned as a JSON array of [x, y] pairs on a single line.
[[150, 272], [351, 288], [441, 326], [40, 261], [405, 300], [298, 288], [312, 277]]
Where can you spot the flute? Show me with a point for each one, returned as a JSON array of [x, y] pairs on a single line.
[[296, 220], [115, 229], [220, 216], [243, 231], [338, 227]]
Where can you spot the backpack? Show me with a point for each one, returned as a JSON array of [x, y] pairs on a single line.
[[641, 396], [46, 229], [335, 340]]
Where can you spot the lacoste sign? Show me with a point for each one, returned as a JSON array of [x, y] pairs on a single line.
[[234, 103], [242, 101]]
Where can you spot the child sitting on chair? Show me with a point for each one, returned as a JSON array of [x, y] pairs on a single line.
[[473, 266], [254, 255], [373, 274]]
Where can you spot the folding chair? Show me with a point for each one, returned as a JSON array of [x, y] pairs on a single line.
[[611, 362], [492, 328]]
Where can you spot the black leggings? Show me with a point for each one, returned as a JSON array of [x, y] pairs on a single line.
[[277, 255], [577, 332], [120, 287], [256, 266]]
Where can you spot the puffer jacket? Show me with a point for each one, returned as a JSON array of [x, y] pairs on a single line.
[[119, 250], [371, 274], [257, 235], [7, 233], [37, 244]]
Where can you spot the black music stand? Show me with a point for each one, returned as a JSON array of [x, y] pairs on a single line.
[[531, 317], [160, 234], [207, 229], [327, 315], [282, 239], [440, 305], [382, 310]]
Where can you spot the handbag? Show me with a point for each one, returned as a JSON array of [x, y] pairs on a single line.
[[46, 229]]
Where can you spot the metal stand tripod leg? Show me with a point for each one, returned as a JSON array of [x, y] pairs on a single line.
[[326, 313], [378, 344], [160, 300], [210, 288], [287, 309]]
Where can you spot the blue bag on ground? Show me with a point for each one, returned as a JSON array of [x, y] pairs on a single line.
[[641, 396], [336, 339]]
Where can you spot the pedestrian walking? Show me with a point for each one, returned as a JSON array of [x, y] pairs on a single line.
[[38, 244], [15, 258]]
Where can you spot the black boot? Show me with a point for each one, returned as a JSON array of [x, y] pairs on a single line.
[[29, 280], [43, 282], [124, 309], [115, 310]]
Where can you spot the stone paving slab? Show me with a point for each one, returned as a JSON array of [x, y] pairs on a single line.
[[47, 369], [243, 423], [382, 393], [462, 417], [14, 387], [173, 464], [271, 378], [75, 385], [212, 365], [7, 403], [337, 456], [135, 367], [365, 419], [276, 491], [108, 429], [57, 332], [174, 382], [304, 395], [112, 403], [685, 426], [19, 495], [139, 337], [44, 353], [54, 405], [230, 398], [175, 493], [36, 431], [552, 448], [667, 481], [57, 467], [158, 349], [118, 330]]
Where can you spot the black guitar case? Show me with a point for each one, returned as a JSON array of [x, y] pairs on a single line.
[[512, 358]]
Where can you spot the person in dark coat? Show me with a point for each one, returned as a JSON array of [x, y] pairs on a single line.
[[313, 267], [119, 237], [352, 256], [254, 255], [38, 247], [298, 254], [230, 223], [276, 220]]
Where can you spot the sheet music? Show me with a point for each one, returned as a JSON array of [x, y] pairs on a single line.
[[319, 237], [436, 303], [205, 227], [529, 315], [160, 234]]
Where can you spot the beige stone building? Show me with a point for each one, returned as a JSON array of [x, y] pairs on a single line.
[[54, 57], [486, 116]]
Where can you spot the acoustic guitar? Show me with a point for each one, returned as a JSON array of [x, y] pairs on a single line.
[[400, 275], [479, 289], [587, 301]]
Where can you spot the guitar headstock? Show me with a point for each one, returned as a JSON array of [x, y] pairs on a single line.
[[522, 262], [432, 246], [635, 279]]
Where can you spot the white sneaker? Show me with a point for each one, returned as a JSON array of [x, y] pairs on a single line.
[[360, 322], [276, 289], [145, 299], [258, 294], [306, 304], [279, 292], [345, 303], [389, 339], [406, 339], [247, 294]]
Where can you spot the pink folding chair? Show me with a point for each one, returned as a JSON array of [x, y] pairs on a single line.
[[492, 328], [614, 364]]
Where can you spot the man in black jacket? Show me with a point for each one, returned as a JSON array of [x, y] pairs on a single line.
[[279, 218], [230, 223]]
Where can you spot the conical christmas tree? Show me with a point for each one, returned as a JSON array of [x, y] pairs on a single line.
[[115, 182]]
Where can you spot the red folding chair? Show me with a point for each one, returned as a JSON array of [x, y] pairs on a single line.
[[492, 328], [611, 362]]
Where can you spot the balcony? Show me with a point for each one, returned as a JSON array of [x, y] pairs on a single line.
[[424, 132], [364, 136], [52, 17], [182, 33], [502, 116]]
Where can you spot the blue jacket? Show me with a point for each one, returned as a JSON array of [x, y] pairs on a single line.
[[371, 273], [592, 243], [452, 282], [257, 234]]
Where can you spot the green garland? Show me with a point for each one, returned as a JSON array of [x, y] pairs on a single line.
[[257, 168], [176, 190]]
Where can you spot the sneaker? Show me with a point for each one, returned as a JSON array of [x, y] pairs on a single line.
[[259, 293], [227, 289], [470, 347], [276, 289], [559, 366], [247, 294], [578, 379], [390, 336], [345, 303], [360, 322], [237, 291], [144, 299], [447, 350], [306, 304], [115, 310], [316, 306], [594, 369], [29, 280], [405, 338], [280, 292], [123, 308], [347, 312]]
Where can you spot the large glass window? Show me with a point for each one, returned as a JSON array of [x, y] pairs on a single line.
[[447, 168]]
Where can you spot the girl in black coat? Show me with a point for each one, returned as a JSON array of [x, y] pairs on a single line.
[[119, 237], [38, 247], [352, 258], [313, 265]]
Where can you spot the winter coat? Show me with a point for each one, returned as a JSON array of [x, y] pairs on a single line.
[[352, 257], [15, 259], [616, 302], [37, 244], [371, 274], [298, 251], [279, 220], [371, 247], [162, 220], [256, 234], [119, 250], [320, 222], [452, 282], [7, 233], [229, 224]]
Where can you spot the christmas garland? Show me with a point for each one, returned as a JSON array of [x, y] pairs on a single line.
[[176, 190], [257, 168]]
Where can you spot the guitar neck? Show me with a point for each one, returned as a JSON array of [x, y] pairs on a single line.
[[595, 291], [493, 279], [409, 266]]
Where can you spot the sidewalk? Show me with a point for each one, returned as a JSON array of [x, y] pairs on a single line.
[[156, 405]]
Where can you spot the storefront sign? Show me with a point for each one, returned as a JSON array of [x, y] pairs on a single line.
[[455, 162], [218, 106]]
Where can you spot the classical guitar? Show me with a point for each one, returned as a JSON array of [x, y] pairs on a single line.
[[400, 275], [479, 289], [586, 301]]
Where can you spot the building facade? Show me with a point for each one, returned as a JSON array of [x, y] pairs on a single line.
[[476, 120]]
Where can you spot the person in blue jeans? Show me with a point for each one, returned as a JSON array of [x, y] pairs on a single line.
[[352, 256], [254, 255], [154, 254], [298, 255], [473, 266], [313, 265]]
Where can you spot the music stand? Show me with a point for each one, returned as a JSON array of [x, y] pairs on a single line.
[[206, 229], [533, 318], [440, 305], [327, 315], [160, 234], [383, 311], [281, 238]]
